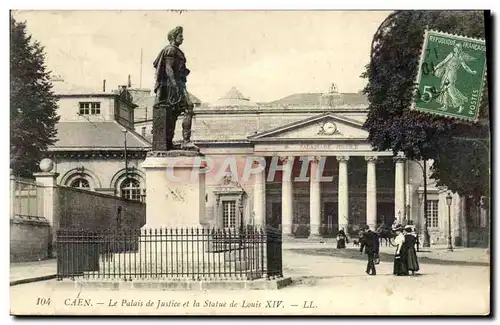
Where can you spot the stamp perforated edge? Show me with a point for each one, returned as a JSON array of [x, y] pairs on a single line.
[[427, 32]]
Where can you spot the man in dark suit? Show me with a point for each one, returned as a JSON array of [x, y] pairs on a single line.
[[370, 243]]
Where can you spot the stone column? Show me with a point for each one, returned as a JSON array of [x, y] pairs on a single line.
[[463, 221], [371, 192], [315, 199], [399, 188], [343, 193], [48, 180], [457, 224], [287, 195], [259, 197]]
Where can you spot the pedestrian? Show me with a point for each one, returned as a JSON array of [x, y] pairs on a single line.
[[341, 239], [400, 264], [370, 243], [411, 254]]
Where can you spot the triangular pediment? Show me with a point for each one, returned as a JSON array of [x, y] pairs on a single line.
[[324, 126]]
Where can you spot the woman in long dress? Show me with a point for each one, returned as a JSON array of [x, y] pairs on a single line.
[[449, 96], [411, 254], [400, 267], [341, 239]]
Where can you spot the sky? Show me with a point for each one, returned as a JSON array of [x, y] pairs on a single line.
[[267, 55]]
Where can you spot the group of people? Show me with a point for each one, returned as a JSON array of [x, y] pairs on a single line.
[[405, 257]]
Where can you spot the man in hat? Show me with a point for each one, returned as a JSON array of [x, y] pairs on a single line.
[[371, 245], [172, 98]]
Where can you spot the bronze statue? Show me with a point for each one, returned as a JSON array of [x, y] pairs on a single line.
[[172, 98]]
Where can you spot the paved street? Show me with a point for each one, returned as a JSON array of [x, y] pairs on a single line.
[[330, 283], [26, 270]]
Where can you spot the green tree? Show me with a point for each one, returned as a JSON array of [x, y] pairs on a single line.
[[462, 166], [32, 102]]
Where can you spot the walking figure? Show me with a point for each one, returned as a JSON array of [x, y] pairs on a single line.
[[411, 254], [370, 243], [400, 256]]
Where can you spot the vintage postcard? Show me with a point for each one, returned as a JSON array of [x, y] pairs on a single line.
[[249, 163]]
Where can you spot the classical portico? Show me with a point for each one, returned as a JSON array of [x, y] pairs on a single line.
[[324, 162]]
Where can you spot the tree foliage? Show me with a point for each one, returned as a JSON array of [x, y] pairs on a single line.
[[462, 166], [32, 103]]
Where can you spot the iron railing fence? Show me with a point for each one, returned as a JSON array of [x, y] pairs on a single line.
[[193, 253]]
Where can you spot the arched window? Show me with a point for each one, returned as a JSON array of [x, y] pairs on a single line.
[[80, 183], [130, 189]]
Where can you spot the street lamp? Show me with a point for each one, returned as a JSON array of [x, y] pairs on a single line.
[[449, 198]]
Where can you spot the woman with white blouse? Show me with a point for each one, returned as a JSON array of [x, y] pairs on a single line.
[[400, 265]]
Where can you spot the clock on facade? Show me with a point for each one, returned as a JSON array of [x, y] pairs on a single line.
[[329, 128]]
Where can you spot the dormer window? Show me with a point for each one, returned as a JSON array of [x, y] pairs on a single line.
[[90, 108]]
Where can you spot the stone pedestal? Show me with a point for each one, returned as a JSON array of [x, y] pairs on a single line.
[[175, 189], [172, 239]]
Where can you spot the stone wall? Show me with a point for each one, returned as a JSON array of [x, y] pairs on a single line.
[[29, 238], [91, 210]]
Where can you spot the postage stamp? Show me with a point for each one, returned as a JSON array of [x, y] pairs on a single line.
[[451, 75]]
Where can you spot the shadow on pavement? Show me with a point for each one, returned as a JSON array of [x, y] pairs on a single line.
[[384, 257]]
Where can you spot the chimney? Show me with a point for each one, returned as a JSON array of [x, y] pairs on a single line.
[[129, 81], [104, 86]]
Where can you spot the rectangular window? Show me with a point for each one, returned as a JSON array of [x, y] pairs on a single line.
[[143, 131], [432, 213], [229, 214], [92, 108]]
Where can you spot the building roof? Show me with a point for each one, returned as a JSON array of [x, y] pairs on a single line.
[[312, 99], [96, 135], [233, 98], [62, 88], [194, 99], [145, 101]]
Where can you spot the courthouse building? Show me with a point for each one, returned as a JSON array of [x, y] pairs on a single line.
[[298, 134], [303, 133]]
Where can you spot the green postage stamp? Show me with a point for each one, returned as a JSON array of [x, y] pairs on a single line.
[[451, 76]]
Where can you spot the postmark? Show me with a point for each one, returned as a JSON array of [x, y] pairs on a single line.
[[451, 76]]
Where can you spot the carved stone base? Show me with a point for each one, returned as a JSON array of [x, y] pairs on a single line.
[[175, 189]]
